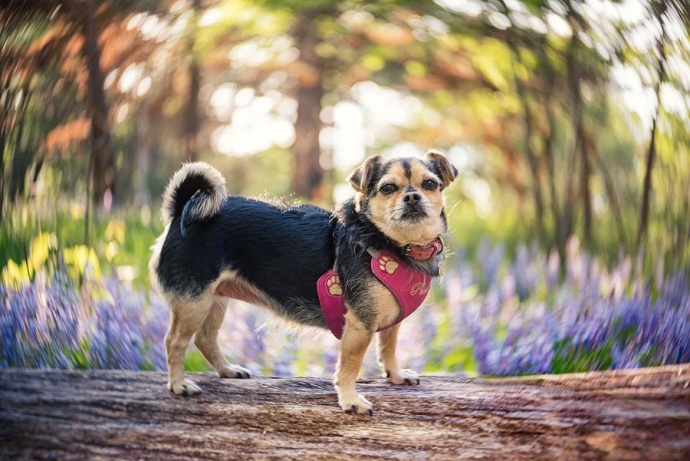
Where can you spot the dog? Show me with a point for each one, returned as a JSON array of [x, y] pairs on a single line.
[[297, 259]]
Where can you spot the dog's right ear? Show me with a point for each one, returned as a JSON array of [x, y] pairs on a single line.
[[360, 179]]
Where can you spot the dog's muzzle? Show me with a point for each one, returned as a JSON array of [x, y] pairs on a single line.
[[414, 209]]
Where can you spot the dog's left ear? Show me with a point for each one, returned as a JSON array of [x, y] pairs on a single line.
[[444, 168], [361, 178]]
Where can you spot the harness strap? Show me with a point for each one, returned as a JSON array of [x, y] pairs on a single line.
[[408, 286]]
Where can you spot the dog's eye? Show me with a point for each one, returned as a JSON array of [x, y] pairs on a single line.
[[430, 184], [388, 188]]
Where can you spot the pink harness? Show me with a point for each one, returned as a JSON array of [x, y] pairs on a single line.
[[409, 287]]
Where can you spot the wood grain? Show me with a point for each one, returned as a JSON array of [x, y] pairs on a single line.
[[635, 414]]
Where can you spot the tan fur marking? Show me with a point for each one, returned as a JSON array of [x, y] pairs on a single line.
[[231, 285], [387, 341], [187, 317], [206, 340], [356, 339], [386, 210], [385, 305], [238, 289]]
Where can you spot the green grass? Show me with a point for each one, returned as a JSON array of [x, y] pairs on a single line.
[[121, 240], [195, 362]]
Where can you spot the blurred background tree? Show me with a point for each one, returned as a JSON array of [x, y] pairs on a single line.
[[565, 117]]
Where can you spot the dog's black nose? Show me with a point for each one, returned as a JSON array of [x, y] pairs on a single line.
[[412, 198]]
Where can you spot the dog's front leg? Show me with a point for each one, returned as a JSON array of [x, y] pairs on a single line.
[[356, 338], [387, 340]]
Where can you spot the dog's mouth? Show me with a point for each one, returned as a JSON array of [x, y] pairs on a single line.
[[413, 213]]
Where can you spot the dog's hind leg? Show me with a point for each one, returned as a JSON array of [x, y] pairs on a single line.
[[187, 317], [387, 340], [206, 340]]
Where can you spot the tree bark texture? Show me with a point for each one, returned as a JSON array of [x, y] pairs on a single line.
[[191, 118], [634, 414], [103, 163], [532, 159], [307, 177]]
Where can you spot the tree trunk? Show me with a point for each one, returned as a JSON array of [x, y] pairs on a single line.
[[6, 99], [579, 151], [651, 152], [647, 188], [2, 165], [24, 152], [633, 415], [586, 195], [102, 164], [143, 157], [532, 160], [307, 178], [611, 193], [191, 119], [560, 236]]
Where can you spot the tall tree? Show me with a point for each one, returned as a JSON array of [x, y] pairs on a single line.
[[21, 23], [190, 118], [64, 26], [101, 163], [658, 9], [662, 199], [307, 177]]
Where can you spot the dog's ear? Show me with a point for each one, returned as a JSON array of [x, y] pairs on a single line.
[[443, 167], [361, 178]]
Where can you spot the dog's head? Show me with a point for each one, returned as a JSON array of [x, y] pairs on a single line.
[[403, 196]]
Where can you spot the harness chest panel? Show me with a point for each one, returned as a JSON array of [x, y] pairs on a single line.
[[409, 287]]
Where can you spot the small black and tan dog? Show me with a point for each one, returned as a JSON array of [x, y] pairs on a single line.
[[216, 247]]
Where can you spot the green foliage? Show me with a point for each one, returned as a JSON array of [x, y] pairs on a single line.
[[568, 359], [499, 91], [121, 245], [468, 229], [195, 362]]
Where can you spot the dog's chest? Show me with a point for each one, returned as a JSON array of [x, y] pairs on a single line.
[[408, 286]]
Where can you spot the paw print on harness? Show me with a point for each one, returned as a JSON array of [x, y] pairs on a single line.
[[333, 286], [387, 264]]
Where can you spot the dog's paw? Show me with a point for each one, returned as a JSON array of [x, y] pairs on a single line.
[[356, 405], [234, 371], [184, 388], [399, 377]]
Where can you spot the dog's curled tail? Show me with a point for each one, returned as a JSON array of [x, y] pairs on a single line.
[[195, 192]]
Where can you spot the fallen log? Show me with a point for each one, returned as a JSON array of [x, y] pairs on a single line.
[[634, 414]]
